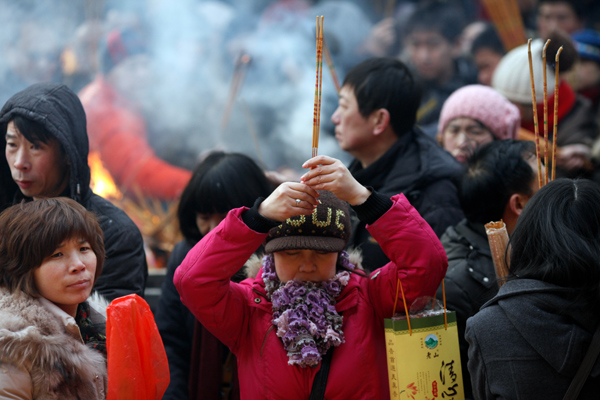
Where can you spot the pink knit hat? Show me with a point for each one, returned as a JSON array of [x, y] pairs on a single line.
[[485, 105]]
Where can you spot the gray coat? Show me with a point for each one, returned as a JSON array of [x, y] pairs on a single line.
[[529, 341]]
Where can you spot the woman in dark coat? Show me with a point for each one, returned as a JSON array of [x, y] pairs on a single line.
[[529, 340], [197, 360]]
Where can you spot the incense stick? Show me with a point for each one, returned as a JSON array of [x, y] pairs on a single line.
[[329, 61], [555, 113], [545, 109], [317, 108], [535, 117], [239, 73]]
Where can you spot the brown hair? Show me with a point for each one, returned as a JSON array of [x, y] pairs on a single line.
[[31, 231]]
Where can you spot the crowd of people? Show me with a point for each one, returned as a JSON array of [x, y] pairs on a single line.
[[281, 283]]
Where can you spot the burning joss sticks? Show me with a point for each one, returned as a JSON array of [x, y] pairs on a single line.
[[535, 116], [317, 109]]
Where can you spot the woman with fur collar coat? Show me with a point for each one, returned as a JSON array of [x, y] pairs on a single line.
[[52, 335]]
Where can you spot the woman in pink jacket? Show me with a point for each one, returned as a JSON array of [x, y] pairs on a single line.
[[310, 323]]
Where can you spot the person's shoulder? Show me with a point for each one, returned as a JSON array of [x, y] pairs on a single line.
[[109, 214]]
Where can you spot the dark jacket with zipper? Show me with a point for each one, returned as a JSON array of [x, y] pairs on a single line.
[[529, 341], [470, 280], [60, 112], [425, 173]]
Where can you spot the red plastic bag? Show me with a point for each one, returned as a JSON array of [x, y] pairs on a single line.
[[137, 363]]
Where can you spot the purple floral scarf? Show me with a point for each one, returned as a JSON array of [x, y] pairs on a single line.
[[304, 312]]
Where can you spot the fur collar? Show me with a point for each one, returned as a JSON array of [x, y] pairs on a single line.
[[33, 339], [254, 263]]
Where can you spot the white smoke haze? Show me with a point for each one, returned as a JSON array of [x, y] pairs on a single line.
[[182, 84]]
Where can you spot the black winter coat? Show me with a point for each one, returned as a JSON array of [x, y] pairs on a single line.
[[425, 173], [529, 341], [470, 280], [60, 112]]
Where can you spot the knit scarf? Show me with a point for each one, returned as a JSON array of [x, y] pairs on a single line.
[[304, 312], [566, 101]]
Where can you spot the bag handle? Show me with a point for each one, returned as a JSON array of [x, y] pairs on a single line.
[[399, 288], [585, 368]]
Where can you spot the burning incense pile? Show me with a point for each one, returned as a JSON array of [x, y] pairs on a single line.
[[498, 239], [542, 181], [317, 109]]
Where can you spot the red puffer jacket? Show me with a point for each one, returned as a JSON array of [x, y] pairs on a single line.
[[240, 315]]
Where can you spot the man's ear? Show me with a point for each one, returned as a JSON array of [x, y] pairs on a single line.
[[381, 120], [517, 202]]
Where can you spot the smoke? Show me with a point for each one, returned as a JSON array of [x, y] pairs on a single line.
[[183, 84]]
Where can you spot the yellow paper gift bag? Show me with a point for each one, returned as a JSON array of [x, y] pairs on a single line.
[[424, 358]]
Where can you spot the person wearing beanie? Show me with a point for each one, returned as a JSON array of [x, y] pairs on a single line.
[[577, 128], [311, 321], [473, 116]]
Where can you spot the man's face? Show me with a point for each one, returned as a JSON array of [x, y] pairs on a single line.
[[557, 16], [432, 55], [39, 169], [352, 130], [486, 61]]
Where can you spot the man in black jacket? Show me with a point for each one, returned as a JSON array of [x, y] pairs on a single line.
[[500, 179], [46, 148], [375, 123]]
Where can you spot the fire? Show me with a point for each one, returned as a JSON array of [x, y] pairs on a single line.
[[101, 182]]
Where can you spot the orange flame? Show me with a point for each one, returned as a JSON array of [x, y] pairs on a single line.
[[102, 182]]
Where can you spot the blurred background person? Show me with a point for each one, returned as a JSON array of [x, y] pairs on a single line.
[[473, 116], [201, 366], [577, 128], [487, 50], [432, 48]]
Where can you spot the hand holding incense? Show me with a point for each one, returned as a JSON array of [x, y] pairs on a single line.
[[535, 118], [555, 114], [498, 239]]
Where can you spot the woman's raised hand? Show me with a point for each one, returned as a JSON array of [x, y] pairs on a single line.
[[330, 174], [288, 200]]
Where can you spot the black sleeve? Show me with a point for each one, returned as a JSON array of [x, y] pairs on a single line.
[[176, 326], [373, 208], [257, 222], [125, 270]]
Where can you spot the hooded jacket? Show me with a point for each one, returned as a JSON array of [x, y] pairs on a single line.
[[60, 112], [240, 315], [425, 173], [529, 341], [40, 360]]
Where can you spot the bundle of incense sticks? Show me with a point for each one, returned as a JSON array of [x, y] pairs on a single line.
[[535, 116], [507, 19], [317, 110], [498, 239]]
